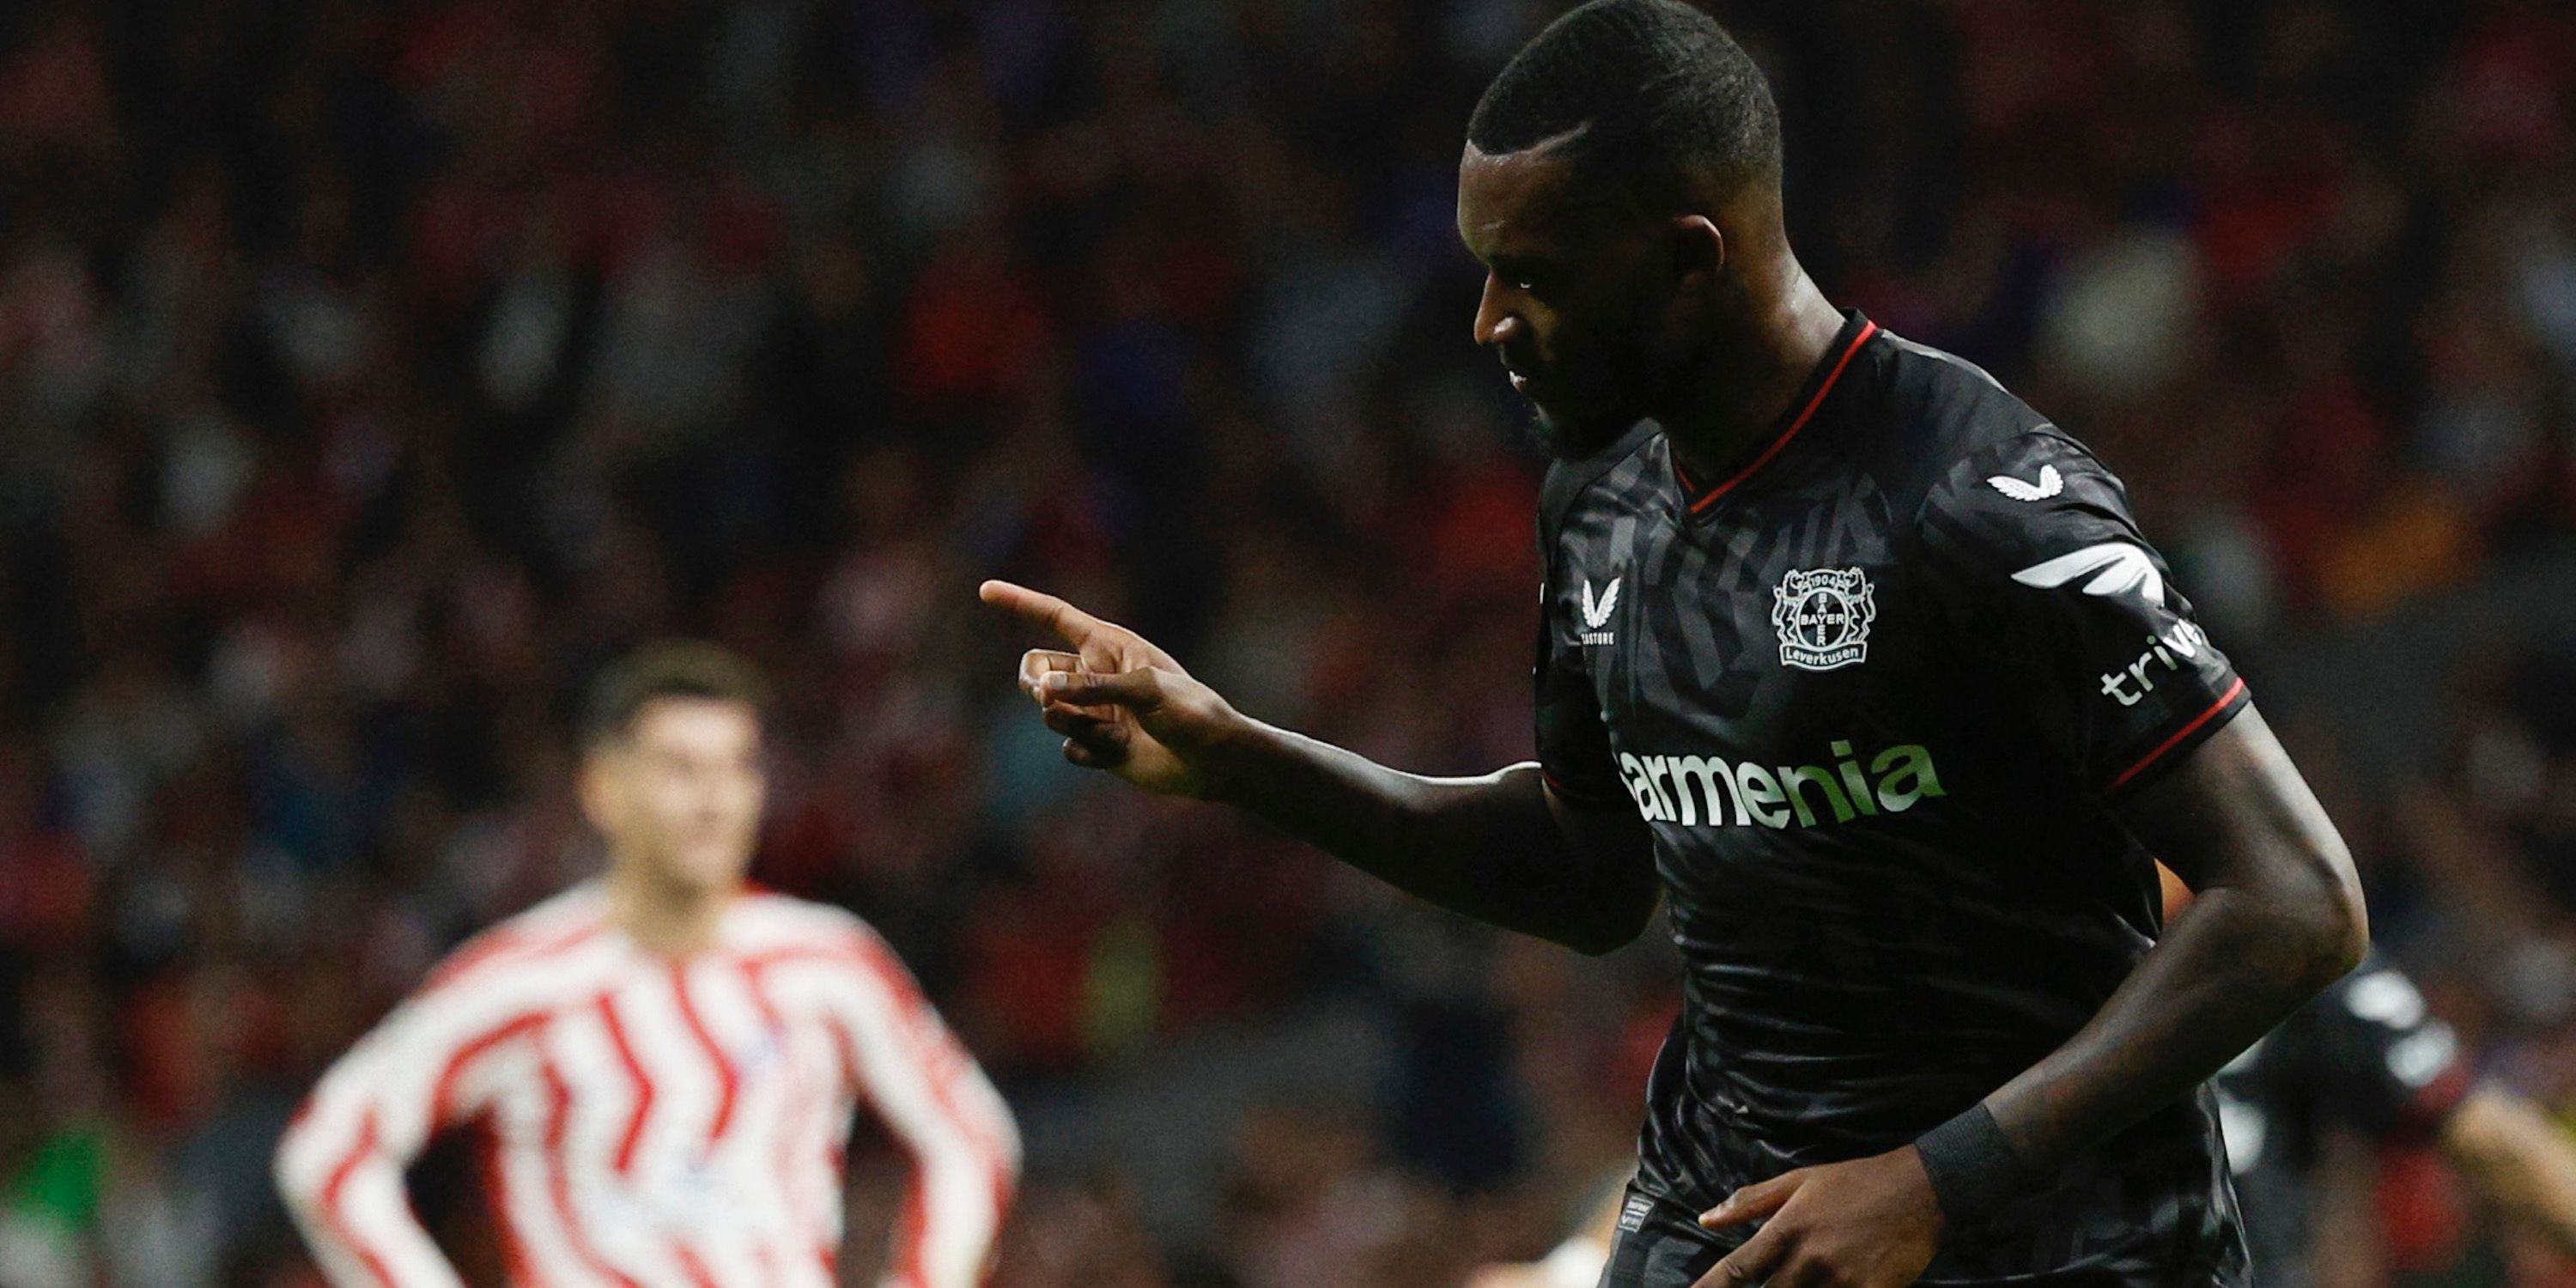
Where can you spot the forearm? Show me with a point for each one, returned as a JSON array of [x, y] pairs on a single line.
[[2232, 967], [2519, 1159], [348, 1200], [939, 1106], [2277, 917], [1491, 847], [950, 1220]]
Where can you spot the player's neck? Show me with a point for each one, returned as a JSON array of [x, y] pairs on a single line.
[[666, 918], [1747, 389]]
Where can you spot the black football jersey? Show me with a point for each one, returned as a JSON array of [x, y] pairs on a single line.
[[2365, 1056], [1874, 690]]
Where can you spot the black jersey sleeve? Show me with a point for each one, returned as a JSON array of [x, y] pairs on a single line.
[[1573, 743], [2386, 1066], [2049, 589]]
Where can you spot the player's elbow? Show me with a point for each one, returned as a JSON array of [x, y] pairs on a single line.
[[2322, 911], [298, 1167]]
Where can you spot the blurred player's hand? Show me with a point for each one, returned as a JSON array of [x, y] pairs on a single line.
[[1122, 704], [1868, 1223]]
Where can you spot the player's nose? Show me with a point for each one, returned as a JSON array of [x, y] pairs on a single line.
[[1496, 324]]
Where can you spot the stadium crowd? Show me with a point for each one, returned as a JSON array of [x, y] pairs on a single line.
[[370, 372]]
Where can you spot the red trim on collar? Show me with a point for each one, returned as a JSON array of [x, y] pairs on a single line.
[[1706, 499]]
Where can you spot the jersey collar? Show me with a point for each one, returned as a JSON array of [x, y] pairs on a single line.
[[1856, 332]]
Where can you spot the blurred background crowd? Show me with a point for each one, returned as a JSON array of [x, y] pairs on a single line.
[[370, 371]]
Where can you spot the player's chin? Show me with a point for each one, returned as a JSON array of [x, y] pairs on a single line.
[[711, 865], [1571, 433]]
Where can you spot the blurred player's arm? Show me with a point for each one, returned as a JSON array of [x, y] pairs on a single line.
[[937, 1103], [1503, 847], [2520, 1160], [340, 1166]]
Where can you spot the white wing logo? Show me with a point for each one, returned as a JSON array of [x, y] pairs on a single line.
[[2118, 568], [2050, 484], [1597, 615]]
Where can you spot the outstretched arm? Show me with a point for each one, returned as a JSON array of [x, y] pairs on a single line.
[[1503, 847], [2277, 917]]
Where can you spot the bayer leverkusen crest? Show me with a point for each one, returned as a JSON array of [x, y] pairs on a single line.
[[1823, 616]]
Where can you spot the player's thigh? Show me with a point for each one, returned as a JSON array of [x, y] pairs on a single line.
[[1663, 1251]]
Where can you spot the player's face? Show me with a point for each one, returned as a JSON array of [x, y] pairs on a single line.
[[681, 794], [1571, 301]]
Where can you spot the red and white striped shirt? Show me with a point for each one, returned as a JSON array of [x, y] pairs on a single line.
[[656, 1122]]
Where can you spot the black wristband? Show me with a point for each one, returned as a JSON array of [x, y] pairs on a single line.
[[1973, 1168]]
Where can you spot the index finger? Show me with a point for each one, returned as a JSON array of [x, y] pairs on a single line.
[[1075, 625], [1754, 1202], [1750, 1263]]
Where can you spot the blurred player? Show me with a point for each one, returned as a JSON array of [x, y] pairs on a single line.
[[2368, 1056], [667, 1064], [1865, 668]]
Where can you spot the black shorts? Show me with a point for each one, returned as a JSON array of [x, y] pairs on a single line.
[[1661, 1246]]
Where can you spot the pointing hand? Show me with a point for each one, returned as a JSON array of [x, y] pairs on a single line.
[[1122, 704]]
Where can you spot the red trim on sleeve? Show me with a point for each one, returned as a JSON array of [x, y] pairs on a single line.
[[2179, 734], [1579, 798], [1805, 413]]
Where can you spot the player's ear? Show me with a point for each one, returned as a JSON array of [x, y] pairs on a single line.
[[597, 785], [1699, 254]]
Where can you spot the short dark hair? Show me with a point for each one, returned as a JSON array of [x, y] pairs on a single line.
[[1661, 90], [668, 669]]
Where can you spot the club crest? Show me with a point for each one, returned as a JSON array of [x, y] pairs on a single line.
[[1823, 617]]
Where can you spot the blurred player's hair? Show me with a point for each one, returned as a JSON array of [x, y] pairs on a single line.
[[668, 669], [1661, 93]]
